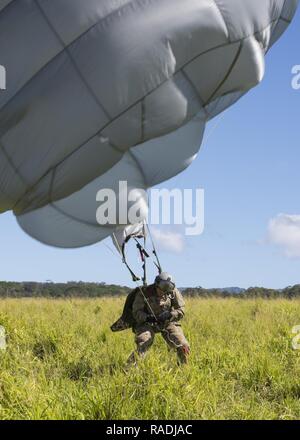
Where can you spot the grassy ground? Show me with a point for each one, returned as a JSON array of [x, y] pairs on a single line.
[[63, 362]]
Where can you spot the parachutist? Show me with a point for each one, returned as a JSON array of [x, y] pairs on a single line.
[[166, 306]]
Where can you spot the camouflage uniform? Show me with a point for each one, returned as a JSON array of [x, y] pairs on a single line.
[[171, 330]]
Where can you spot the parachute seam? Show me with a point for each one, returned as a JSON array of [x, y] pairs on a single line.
[[281, 17], [109, 123], [143, 119], [138, 164], [83, 222], [219, 46], [201, 100], [6, 6], [73, 62], [52, 184], [232, 66], [112, 145], [10, 161], [65, 46], [104, 18], [131, 106], [285, 19], [115, 147], [253, 33]]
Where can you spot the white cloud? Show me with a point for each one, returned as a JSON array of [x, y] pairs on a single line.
[[168, 241], [284, 231]]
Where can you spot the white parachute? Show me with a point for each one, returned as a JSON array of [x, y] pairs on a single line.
[[102, 91]]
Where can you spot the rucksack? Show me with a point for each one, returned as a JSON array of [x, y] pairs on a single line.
[[127, 320]]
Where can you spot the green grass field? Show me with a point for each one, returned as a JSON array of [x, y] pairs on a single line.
[[63, 362]]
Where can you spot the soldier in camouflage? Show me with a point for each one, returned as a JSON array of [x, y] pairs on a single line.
[[158, 310]]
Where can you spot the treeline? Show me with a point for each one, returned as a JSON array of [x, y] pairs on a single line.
[[98, 290], [60, 290], [253, 292]]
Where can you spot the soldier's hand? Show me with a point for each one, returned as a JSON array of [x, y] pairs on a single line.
[[165, 316], [151, 319]]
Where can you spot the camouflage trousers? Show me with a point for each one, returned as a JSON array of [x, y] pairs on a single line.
[[172, 334]]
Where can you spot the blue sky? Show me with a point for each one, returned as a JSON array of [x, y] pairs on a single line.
[[249, 168]]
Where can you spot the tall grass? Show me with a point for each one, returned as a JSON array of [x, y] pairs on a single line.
[[63, 362]]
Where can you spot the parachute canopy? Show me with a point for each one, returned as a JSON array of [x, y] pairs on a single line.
[[101, 91]]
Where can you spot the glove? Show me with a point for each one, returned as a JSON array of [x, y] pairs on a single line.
[[165, 316], [151, 319]]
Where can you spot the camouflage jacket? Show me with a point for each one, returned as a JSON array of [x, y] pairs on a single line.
[[172, 302]]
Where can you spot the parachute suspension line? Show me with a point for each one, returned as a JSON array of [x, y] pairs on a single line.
[[144, 255], [114, 252], [157, 264], [145, 260], [135, 279], [122, 254]]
